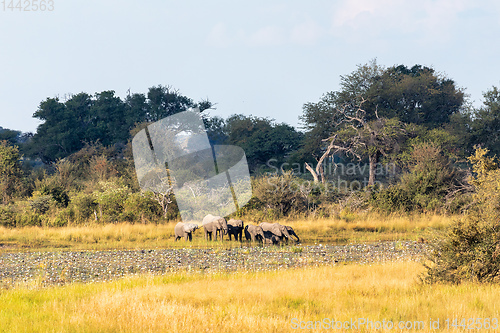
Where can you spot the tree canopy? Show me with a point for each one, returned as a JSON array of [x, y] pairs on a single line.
[[103, 117]]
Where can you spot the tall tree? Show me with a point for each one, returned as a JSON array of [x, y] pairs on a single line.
[[104, 117], [261, 139], [486, 122], [361, 138], [11, 173], [411, 95]]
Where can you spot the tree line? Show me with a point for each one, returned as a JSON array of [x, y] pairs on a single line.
[[413, 118]]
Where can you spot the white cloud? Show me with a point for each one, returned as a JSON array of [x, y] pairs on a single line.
[[267, 36], [218, 36], [431, 20], [306, 33]]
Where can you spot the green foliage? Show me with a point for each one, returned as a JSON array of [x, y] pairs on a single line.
[[11, 174], [30, 219], [141, 207], [470, 248], [41, 204], [281, 195], [261, 139], [429, 185], [57, 193], [111, 198], [103, 117], [486, 123], [7, 216], [84, 206]]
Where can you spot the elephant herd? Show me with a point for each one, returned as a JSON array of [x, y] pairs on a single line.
[[266, 233]]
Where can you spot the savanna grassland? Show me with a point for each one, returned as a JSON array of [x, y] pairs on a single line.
[[249, 302], [346, 228]]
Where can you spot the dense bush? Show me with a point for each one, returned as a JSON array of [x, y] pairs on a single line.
[[432, 183], [7, 216], [141, 207], [470, 249]]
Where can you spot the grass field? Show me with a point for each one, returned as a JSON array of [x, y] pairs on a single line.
[[253, 302], [346, 229]]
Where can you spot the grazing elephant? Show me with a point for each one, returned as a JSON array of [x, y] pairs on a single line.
[[270, 238], [291, 232], [277, 229], [216, 225], [254, 233], [185, 230], [235, 228]]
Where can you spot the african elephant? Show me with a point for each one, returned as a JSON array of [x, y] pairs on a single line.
[[277, 229], [185, 230], [235, 227], [214, 224], [254, 233], [270, 238], [291, 232]]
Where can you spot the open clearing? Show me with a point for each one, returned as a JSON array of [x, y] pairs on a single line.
[[246, 302]]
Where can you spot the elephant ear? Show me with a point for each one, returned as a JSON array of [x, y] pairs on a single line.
[[277, 230]]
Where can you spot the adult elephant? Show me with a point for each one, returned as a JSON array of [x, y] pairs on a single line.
[[235, 228], [277, 229], [185, 230], [291, 232], [254, 233], [214, 225]]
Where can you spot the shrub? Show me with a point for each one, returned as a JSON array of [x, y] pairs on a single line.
[[140, 206], [280, 195], [111, 199], [57, 193], [470, 248], [432, 183], [7, 217], [41, 204], [84, 206], [29, 219]]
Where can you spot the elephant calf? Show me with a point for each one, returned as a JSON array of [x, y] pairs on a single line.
[[185, 230], [270, 238], [235, 228], [254, 233]]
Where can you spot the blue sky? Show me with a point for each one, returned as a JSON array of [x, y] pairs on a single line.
[[265, 58]]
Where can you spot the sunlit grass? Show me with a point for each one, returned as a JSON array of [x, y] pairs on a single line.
[[251, 302], [343, 229]]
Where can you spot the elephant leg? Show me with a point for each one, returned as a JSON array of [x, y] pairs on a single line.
[[190, 236]]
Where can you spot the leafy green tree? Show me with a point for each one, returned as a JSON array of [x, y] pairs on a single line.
[[261, 139], [389, 96], [104, 117], [11, 173], [10, 136], [486, 122], [416, 95]]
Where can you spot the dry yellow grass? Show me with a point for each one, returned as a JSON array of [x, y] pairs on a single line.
[[264, 302], [343, 229]]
